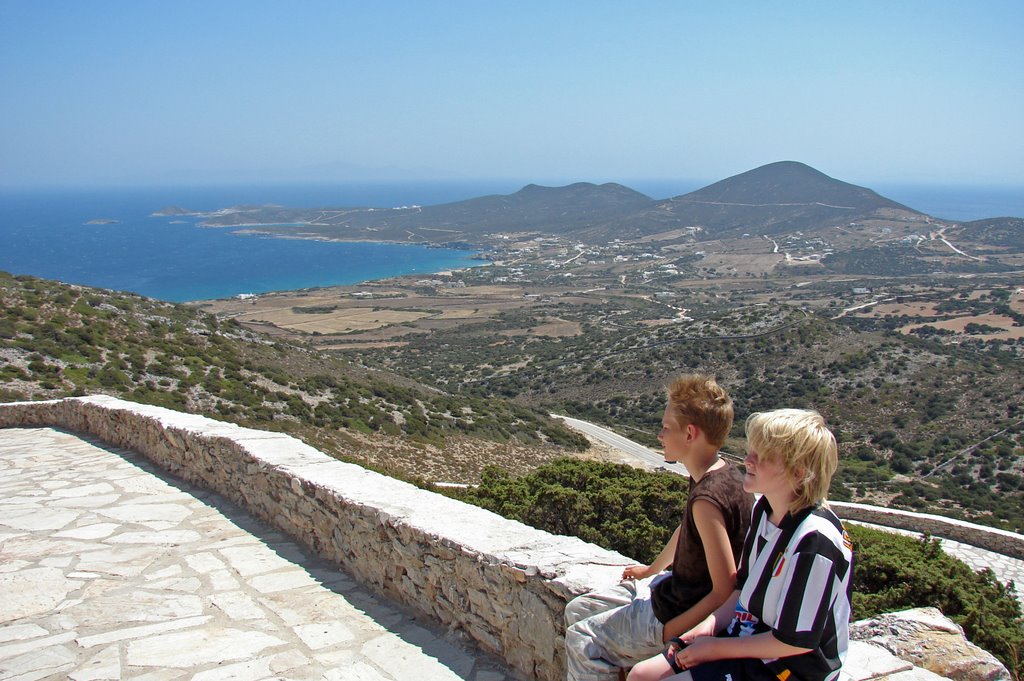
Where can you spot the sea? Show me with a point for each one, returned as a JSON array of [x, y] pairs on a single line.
[[108, 237]]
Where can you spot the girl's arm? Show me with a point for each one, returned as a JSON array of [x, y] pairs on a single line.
[[764, 646]]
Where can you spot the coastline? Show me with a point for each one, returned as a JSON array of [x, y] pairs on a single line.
[[249, 231], [398, 280], [476, 259]]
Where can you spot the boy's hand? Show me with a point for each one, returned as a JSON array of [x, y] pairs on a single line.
[[636, 572], [705, 628]]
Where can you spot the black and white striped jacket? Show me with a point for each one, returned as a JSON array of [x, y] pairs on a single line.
[[795, 580]]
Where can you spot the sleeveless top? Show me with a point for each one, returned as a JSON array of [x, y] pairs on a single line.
[[690, 580]]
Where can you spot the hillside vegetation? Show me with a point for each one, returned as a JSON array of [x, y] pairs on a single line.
[[59, 340], [921, 425]]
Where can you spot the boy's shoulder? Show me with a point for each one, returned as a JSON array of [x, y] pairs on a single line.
[[726, 478], [724, 487]]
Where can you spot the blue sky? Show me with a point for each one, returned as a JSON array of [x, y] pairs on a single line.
[[139, 92]]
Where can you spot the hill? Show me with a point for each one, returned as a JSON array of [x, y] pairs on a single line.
[[550, 210], [777, 198], [58, 340], [814, 221], [922, 425], [544, 210], [1002, 234], [787, 183]]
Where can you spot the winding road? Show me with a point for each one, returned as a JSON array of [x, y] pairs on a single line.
[[613, 439]]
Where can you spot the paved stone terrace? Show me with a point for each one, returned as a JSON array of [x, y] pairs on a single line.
[[111, 569]]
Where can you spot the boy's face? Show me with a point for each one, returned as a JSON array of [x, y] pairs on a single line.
[[765, 477], [674, 438]]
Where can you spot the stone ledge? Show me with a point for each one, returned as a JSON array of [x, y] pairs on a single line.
[[990, 538]]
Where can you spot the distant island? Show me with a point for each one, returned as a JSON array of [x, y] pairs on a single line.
[[172, 211], [785, 208], [104, 221]]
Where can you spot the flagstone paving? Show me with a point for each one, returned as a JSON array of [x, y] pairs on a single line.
[[111, 569]]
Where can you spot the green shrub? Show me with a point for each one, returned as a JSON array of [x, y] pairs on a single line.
[[619, 507], [895, 572]]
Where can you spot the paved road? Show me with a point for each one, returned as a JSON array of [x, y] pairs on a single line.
[[634, 449], [1007, 569], [111, 569]]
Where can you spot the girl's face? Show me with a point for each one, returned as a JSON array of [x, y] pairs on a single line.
[[766, 477]]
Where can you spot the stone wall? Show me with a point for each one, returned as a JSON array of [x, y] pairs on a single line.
[[990, 538], [502, 583]]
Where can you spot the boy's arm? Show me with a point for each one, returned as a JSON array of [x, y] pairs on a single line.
[[799, 592], [721, 565], [663, 560]]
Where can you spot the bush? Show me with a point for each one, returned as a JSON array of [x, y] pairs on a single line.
[[895, 572], [618, 507]]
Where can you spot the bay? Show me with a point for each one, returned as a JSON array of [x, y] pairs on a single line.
[[47, 233], [958, 202]]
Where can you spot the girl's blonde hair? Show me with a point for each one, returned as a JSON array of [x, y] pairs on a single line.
[[803, 444]]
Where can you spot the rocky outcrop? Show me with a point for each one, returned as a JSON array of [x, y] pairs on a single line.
[[927, 639]]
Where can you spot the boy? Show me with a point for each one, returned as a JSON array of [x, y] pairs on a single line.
[[790, 614], [615, 628]]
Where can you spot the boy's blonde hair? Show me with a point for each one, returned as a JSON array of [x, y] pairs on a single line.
[[698, 399], [803, 444]]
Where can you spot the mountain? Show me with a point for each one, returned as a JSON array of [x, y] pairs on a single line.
[[774, 199], [549, 209], [781, 197], [788, 183]]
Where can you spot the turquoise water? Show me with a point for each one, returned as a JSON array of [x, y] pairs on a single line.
[[44, 233]]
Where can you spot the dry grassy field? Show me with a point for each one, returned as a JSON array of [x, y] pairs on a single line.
[[956, 323]]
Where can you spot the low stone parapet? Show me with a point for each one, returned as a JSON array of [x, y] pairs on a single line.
[[989, 538], [502, 583]]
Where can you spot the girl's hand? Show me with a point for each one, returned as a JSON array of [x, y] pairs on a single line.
[[697, 652]]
